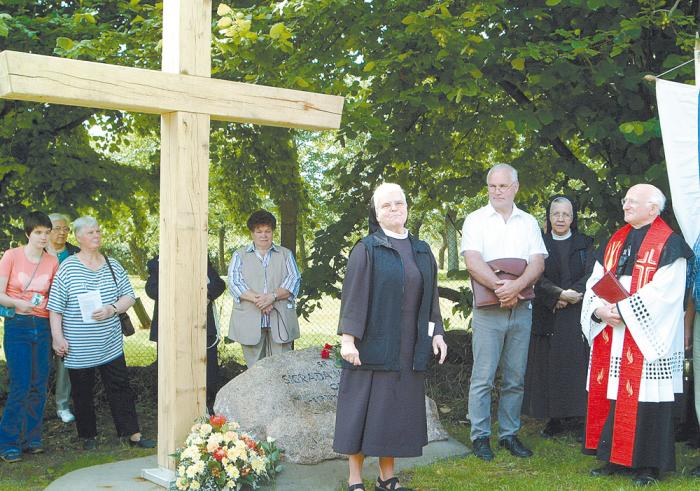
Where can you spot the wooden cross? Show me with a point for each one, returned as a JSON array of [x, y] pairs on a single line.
[[186, 98]]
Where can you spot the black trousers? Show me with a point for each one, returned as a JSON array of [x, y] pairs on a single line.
[[115, 378]]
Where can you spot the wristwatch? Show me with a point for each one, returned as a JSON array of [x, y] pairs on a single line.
[[115, 309], [274, 296]]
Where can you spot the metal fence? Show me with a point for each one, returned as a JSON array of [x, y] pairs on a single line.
[[318, 329]]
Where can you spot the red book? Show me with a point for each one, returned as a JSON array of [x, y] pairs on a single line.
[[610, 289]]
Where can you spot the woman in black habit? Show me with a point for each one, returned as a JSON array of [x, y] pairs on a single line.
[[389, 322], [555, 381]]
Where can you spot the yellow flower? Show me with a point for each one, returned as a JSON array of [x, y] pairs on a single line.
[[223, 9], [181, 483], [258, 465], [194, 485], [224, 22]]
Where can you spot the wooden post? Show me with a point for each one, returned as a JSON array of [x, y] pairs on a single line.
[[184, 174]]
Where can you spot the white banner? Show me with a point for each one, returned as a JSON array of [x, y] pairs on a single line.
[[678, 113]]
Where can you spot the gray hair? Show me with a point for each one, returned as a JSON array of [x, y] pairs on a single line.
[[561, 199], [59, 217], [383, 188], [506, 167], [658, 198], [84, 222]]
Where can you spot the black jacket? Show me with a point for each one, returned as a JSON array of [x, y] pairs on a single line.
[[215, 288]]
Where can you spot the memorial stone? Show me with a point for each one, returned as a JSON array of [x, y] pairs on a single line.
[[292, 397]]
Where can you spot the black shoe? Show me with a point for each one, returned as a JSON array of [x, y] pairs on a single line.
[[610, 469], [355, 487], [695, 472], [89, 444], [391, 484], [552, 428], [482, 449], [142, 443], [33, 450], [515, 446], [646, 476]]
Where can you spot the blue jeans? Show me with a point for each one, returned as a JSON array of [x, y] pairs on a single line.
[[499, 337], [27, 343]]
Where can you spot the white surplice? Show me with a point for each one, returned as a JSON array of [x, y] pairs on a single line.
[[654, 316]]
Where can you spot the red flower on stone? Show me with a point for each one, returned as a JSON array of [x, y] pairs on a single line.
[[217, 420], [325, 354], [219, 454]]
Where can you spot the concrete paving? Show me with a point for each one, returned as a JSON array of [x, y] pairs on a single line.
[[327, 476]]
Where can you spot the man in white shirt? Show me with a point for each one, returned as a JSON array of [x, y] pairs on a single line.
[[500, 333]]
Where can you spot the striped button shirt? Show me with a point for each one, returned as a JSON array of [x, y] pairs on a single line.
[[237, 285], [93, 344]]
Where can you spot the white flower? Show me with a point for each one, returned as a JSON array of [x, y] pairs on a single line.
[[194, 485], [215, 440], [258, 465], [191, 471], [231, 484], [205, 429], [181, 483], [181, 470], [191, 453], [233, 473], [199, 466], [270, 439], [230, 436]]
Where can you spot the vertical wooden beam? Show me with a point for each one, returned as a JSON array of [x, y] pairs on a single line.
[[183, 233]]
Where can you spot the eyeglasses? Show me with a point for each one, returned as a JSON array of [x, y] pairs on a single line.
[[632, 202], [61, 229], [392, 204], [561, 215], [501, 187]]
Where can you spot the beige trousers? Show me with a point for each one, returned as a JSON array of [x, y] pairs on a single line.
[[266, 347]]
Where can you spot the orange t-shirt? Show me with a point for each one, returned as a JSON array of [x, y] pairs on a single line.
[[15, 266]]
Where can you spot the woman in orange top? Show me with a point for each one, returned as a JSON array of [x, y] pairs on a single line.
[[26, 273]]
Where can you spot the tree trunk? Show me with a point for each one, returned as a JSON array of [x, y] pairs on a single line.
[[222, 258], [452, 249], [289, 212]]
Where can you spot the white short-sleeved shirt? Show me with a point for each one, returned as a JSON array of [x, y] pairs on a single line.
[[485, 231]]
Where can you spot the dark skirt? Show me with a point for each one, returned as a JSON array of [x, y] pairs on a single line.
[[555, 381], [654, 444], [381, 414]]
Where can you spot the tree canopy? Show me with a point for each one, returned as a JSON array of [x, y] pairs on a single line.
[[436, 93]]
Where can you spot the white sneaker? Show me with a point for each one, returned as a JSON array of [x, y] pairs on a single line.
[[65, 415]]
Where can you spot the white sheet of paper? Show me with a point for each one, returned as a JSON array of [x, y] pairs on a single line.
[[89, 302]]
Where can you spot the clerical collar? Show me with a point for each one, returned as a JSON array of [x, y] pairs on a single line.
[[394, 235], [561, 237]]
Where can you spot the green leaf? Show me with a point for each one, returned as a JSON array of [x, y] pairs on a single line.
[[552, 3], [409, 19], [64, 43], [369, 66], [518, 64], [627, 127]]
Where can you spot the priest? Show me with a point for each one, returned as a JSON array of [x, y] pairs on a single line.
[[636, 365]]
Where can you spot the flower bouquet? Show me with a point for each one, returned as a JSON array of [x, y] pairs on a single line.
[[218, 456], [332, 351]]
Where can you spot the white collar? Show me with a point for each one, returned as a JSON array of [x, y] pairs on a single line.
[[394, 235], [561, 237], [516, 211]]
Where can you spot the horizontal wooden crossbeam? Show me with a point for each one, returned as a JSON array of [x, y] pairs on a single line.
[[49, 79]]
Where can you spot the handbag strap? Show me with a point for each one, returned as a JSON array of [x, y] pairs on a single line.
[[36, 268], [114, 277]]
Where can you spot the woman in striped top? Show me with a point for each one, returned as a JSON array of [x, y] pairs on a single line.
[[85, 301]]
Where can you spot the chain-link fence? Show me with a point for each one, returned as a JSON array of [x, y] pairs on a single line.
[[318, 329]]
